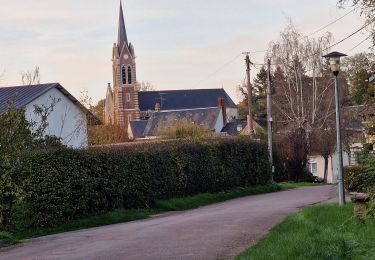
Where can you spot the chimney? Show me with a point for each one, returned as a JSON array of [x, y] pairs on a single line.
[[222, 105]]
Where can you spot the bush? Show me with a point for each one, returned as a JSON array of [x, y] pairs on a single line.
[[183, 129], [359, 178], [65, 184]]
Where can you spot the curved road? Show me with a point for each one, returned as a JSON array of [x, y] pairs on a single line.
[[219, 231]]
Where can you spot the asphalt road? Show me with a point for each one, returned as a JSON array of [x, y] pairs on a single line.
[[219, 231]]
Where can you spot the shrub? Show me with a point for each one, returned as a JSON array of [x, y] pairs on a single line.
[[106, 134], [354, 178], [65, 184], [182, 129]]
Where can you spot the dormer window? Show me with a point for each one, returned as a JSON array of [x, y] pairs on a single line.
[[129, 75], [123, 74]]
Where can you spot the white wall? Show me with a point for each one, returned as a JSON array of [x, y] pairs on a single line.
[[219, 122], [232, 113], [332, 176], [66, 121]]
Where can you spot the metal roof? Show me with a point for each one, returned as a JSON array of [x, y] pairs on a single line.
[[183, 99], [20, 96]]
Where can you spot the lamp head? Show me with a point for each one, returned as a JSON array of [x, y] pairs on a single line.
[[334, 61]]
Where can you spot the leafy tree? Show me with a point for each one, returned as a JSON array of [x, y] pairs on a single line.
[[357, 69], [98, 109]]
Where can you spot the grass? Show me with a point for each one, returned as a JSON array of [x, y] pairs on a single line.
[[113, 217], [294, 185], [8, 238], [210, 198], [318, 232], [125, 215]]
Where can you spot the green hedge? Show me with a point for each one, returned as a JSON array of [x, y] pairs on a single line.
[[359, 178], [56, 186]]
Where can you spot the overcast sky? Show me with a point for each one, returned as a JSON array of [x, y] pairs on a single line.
[[179, 44]]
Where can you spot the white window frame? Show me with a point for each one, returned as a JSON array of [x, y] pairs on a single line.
[[128, 97]]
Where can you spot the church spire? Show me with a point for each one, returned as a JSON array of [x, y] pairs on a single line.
[[122, 38]]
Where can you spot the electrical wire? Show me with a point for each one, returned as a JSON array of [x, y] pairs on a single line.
[[218, 70], [359, 43]]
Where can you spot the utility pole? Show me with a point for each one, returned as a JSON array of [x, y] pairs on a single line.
[[269, 115], [250, 124]]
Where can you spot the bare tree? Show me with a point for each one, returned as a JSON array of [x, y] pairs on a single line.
[[144, 86], [31, 77], [303, 100]]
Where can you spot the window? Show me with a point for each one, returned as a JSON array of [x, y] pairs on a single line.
[[123, 75], [313, 167], [129, 75], [128, 97], [129, 118]]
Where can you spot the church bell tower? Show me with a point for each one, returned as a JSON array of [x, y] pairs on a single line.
[[125, 95]]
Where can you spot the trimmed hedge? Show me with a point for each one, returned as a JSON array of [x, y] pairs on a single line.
[[62, 185]]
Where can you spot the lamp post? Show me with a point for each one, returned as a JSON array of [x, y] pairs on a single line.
[[334, 62]]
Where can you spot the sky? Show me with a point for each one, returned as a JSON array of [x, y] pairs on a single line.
[[184, 44]]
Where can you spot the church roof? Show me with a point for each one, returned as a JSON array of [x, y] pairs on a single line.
[[205, 117], [122, 37], [183, 99]]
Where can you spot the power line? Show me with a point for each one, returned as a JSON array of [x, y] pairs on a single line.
[[360, 43], [218, 70], [333, 22], [320, 29]]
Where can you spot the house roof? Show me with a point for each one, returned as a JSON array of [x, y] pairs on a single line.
[[234, 128], [23, 95], [183, 99], [138, 128], [205, 117]]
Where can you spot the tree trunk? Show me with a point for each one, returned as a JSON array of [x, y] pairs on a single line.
[[326, 169]]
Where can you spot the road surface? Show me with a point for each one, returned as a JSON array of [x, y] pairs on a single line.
[[219, 231]]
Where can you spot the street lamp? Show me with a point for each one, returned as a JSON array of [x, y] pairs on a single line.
[[334, 62]]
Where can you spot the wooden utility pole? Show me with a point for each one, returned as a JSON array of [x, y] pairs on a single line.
[[269, 114], [250, 124]]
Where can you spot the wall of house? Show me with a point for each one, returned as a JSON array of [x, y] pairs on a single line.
[[332, 176], [232, 113], [219, 122], [66, 121]]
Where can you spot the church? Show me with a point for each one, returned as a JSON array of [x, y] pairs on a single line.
[[145, 113]]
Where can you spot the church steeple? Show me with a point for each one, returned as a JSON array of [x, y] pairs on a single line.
[[122, 37]]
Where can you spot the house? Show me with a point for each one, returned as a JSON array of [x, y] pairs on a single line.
[[67, 117], [211, 119], [355, 128], [145, 113]]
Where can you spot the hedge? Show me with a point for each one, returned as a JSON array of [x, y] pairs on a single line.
[[60, 185], [359, 178]]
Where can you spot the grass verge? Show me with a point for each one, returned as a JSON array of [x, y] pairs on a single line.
[[295, 185], [318, 232], [125, 215], [210, 198]]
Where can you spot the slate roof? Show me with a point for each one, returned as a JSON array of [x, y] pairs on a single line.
[[206, 117], [23, 95], [138, 128], [183, 99], [234, 128]]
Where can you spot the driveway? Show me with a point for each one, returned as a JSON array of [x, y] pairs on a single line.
[[219, 231]]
